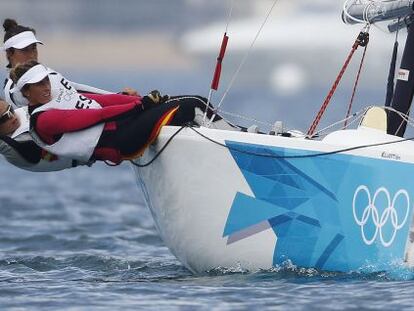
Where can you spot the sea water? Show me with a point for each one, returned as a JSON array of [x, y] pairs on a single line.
[[82, 239]]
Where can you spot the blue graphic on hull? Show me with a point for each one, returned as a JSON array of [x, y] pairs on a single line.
[[317, 209]]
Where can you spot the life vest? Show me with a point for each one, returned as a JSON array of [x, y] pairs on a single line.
[[78, 145]]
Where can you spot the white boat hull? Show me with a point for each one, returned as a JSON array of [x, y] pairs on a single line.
[[231, 206]]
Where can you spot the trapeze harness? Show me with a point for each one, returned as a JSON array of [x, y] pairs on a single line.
[[97, 127]]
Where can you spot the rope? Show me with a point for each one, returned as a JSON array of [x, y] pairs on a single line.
[[161, 150], [361, 39], [355, 87]]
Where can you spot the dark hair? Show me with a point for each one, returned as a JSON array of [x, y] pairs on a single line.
[[12, 28], [20, 69]]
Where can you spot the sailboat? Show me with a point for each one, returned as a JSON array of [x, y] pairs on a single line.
[[250, 200]]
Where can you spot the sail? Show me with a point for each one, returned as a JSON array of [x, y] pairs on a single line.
[[376, 11]]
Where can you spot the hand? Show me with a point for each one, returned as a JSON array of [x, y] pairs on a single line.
[[130, 91]]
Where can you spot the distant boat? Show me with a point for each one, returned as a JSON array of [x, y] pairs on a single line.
[[224, 198]]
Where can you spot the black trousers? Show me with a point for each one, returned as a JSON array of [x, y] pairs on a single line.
[[134, 129]]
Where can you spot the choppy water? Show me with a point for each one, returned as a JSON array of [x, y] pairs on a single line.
[[82, 240]]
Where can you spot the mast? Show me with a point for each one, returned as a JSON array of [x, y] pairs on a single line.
[[404, 90]]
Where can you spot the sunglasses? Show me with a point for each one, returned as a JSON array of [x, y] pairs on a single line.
[[7, 115]]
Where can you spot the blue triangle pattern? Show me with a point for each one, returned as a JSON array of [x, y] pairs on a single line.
[[247, 211], [285, 195]]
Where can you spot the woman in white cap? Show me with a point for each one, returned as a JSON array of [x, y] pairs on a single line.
[[87, 128], [17, 146], [20, 45]]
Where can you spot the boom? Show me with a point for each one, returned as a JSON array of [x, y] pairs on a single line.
[[377, 11]]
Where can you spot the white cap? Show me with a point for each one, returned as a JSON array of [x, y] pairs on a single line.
[[33, 75], [21, 40]]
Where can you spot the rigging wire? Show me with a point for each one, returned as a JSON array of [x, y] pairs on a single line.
[[161, 150], [356, 84], [230, 14], [356, 116], [361, 40], [246, 118], [247, 54], [217, 110], [217, 71]]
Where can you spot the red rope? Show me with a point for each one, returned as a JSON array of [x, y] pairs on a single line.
[[355, 87], [359, 41]]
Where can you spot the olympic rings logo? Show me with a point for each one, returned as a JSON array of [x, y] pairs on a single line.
[[389, 216]]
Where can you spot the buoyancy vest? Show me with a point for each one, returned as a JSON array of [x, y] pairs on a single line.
[[45, 162], [78, 145]]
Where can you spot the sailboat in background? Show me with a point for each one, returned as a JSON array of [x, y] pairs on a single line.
[[340, 202]]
